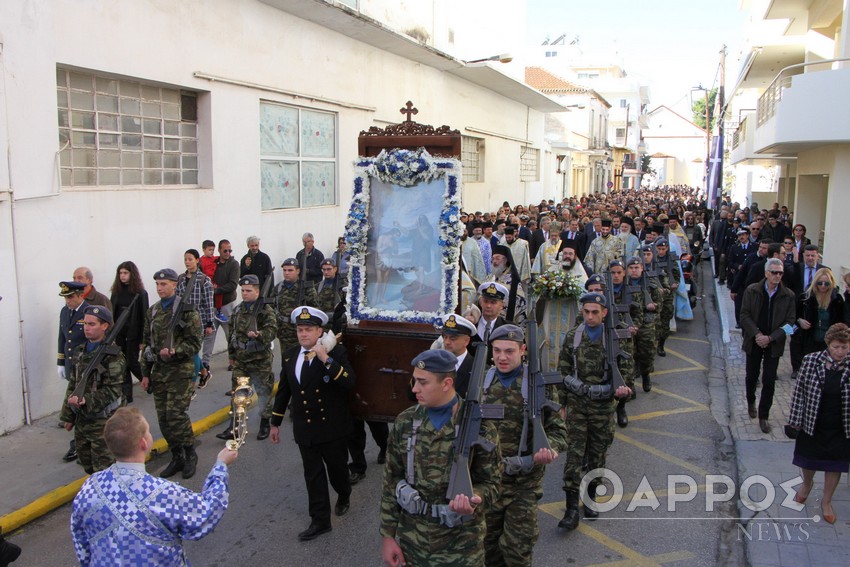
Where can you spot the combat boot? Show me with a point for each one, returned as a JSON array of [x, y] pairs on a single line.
[[176, 465], [571, 517], [590, 513], [265, 429], [191, 461], [647, 382], [661, 351], [622, 418], [226, 434]]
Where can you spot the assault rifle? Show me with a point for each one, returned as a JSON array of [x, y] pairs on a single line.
[[301, 290], [177, 315], [537, 382], [107, 346], [259, 304], [613, 335], [469, 427]]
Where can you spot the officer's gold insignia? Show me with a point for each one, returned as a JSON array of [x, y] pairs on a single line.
[[450, 322], [420, 365], [305, 314]]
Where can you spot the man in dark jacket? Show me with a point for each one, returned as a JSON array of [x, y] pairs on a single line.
[[225, 280], [767, 314], [256, 262]]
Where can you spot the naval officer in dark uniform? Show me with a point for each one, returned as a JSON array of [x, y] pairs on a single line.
[[71, 335], [457, 333], [317, 381]]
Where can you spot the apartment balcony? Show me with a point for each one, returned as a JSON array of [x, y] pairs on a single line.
[[741, 145], [802, 111]]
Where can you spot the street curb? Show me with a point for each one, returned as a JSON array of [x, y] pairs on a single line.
[[64, 494]]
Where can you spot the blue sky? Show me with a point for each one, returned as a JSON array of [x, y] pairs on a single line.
[[672, 45]]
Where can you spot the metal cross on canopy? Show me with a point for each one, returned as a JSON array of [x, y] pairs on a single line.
[[409, 109]]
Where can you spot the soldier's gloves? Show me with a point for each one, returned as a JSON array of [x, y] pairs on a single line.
[[60, 371], [254, 346], [149, 355]]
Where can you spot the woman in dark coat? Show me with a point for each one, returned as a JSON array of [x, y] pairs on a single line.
[[822, 307], [820, 417], [127, 285]]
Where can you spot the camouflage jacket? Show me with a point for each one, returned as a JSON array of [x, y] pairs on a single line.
[[433, 457], [103, 391], [510, 428], [601, 251], [252, 354], [187, 339], [327, 299], [654, 289], [590, 361], [286, 299], [635, 305], [669, 266]]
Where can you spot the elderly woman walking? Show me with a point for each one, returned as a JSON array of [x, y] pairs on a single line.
[[820, 417]]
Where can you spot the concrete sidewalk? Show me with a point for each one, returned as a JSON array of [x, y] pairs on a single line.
[[34, 478], [778, 535]]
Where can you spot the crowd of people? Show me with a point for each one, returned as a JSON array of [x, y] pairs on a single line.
[[624, 249]]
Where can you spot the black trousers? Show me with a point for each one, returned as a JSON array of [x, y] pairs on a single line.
[[357, 441], [134, 366], [760, 361], [796, 350], [332, 456]]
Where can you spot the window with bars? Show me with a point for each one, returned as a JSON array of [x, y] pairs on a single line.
[[472, 158], [298, 163], [123, 132], [528, 164]]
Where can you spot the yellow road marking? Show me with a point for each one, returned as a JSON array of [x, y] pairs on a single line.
[[689, 340], [662, 455], [674, 435], [652, 560], [662, 413], [686, 359], [677, 370], [682, 398]]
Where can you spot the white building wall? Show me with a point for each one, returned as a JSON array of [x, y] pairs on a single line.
[[57, 229]]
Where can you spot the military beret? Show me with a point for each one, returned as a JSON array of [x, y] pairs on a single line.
[[250, 279], [100, 312], [507, 333], [594, 279], [606, 222], [70, 288], [306, 315], [615, 263], [166, 274], [661, 242], [635, 260], [646, 248], [593, 297], [328, 262], [436, 360], [493, 290], [457, 325], [290, 262]]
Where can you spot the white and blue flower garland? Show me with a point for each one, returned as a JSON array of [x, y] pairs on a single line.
[[406, 168]]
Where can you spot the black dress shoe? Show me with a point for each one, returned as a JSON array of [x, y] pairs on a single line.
[[355, 477], [265, 429], [342, 506], [9, 552], [71, 455], [313, 532], [226, 434], [382, 457], [764, 425], [751, 410]]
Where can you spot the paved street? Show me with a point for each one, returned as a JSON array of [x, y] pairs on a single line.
[[673, 430]]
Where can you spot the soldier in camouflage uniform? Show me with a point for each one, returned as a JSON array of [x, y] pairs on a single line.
[[288, 295], [623, 296], [645, 337], [588, 405], [249, 348], [87, 415], [418, 462], [168, 372], [604, 249], [668, 264], [331, 295], [512, 520]]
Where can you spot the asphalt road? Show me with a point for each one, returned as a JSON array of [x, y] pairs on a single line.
[[672, 432]]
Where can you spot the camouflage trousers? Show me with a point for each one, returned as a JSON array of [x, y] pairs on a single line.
[[590, 432], [462, 546], [668, 309], [92, 452], [645, 345], [628, 347], [512, 527], [263, 383], [171, 396]]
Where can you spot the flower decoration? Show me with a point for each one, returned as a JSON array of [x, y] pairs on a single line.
[[557, 284], [406, 169]]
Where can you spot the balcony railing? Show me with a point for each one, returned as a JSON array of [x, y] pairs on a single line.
[[740, 135], [773, 94]]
